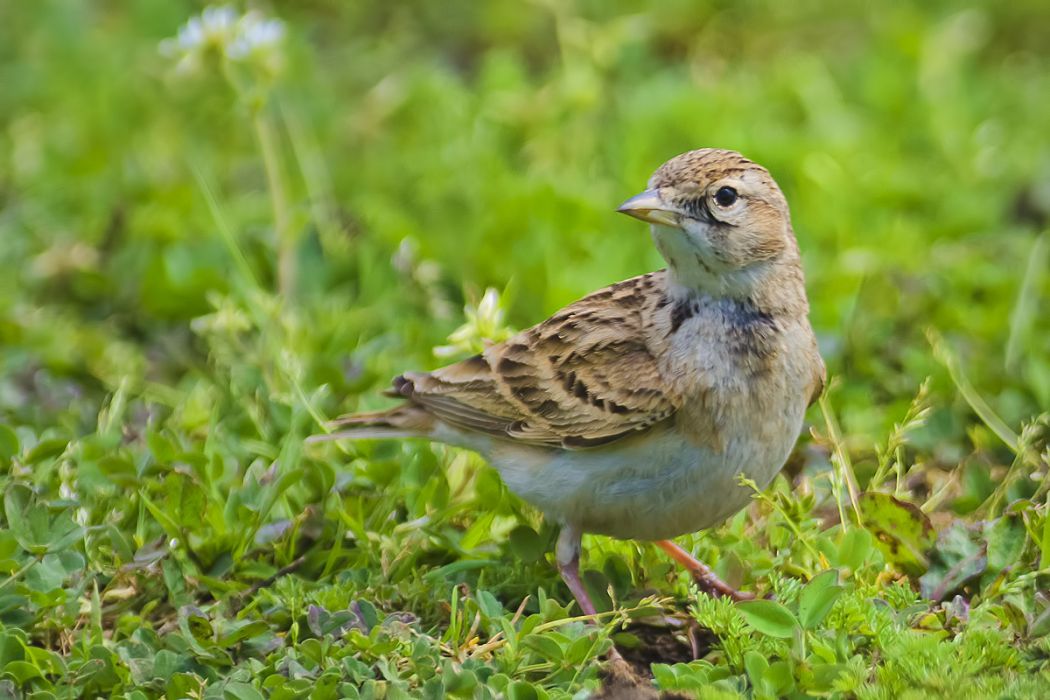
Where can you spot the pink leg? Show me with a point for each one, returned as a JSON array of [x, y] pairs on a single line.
[[567, 554], [705, 578]]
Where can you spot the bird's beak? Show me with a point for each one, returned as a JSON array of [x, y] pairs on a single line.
[[648, 206]]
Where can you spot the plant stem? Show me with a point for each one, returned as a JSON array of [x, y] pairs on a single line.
[[227, 234], [284, 242], [18, 574], [1025, 307], [840, 457], [996, 424], [317, 180]]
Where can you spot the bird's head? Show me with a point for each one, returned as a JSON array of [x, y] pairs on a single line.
[[719, 220]]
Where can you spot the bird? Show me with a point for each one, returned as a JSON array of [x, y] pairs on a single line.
[[634, 411]]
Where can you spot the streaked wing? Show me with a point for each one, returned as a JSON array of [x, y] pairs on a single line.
[[583, 378]]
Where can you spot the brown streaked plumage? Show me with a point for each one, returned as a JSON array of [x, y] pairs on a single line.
[[585, 377], [633, 411]]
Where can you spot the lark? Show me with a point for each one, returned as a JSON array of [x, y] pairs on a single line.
[[633, 412]]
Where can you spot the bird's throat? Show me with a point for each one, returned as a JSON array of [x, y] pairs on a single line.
[[695, 268]]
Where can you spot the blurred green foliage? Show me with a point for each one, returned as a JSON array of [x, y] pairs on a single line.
[[204, 262]]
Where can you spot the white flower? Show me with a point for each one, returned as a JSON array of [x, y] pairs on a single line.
[[212, 30], [255, 34], [221, 31], [214, 26]]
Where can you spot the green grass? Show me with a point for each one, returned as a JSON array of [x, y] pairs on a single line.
[[200, 266]]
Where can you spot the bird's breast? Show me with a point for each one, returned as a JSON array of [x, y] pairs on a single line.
[[656, 485]]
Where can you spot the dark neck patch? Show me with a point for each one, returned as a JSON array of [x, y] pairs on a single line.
[[751, 331], [746, 315], [748, 327], [683, 310]]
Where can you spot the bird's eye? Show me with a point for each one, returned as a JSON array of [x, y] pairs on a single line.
[[726, 196]]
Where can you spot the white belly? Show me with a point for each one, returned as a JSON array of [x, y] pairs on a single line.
[[653, 486]]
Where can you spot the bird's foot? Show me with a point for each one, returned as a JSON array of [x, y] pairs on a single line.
[[714, 586], [705, 578]]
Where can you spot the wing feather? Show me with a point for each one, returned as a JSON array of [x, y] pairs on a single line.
[[585, 377]]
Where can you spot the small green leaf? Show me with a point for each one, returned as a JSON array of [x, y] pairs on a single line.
[[902, 531], [489, 605], [22, 671], [756, 666], [817, 598], [367, 612], [63, 532], [162, 518], [960, 556], [780, 678], [9, 549], [182, 685], [1040, 626], [163, 449], [12, 647], [30, 521], [198, 625], [45, 449], [240, 630], [1006, 541], [580, 649], [544, 645], [769, 617], [526, 544], [165, 663], [235, 690], [461, 684], [8, 443], [174, 581], [520, 690], [47, 661], [456, 567], [854, 548], [598, 588], [618, 573], [119, 470], [17, 498], [664, 676], [824, 675]]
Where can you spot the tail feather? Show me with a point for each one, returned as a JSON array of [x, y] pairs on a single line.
[[407, 420]]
